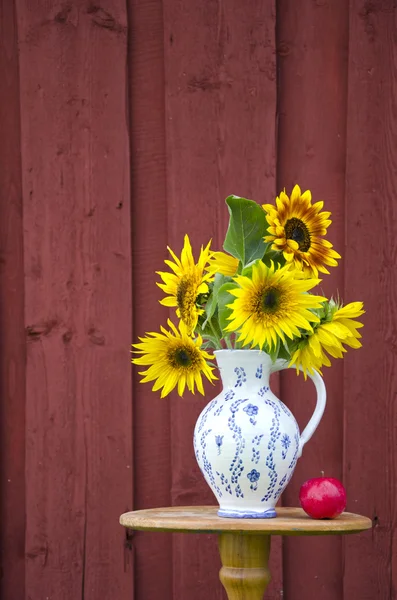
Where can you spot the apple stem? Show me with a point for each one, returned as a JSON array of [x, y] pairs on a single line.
[[322, 473]]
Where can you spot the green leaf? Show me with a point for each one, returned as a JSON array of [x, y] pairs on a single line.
[[284, 352], [247, 228], [247, 271], [211, 305], [224, 298], [274, 352], [210, 327], [211, 343], [276, 257]]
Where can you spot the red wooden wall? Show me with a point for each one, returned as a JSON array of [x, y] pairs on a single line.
[[123, 125]]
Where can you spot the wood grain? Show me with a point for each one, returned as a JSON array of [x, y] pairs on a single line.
[[194, 85], [245, 571], [75, 172], [371, 255], [12, 332], [220, 84], [151, 415], [289, 521], [312, 40]]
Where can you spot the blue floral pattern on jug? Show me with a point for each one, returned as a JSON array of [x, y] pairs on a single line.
[[285, 409], [263, 390], [254, 478], [281, 486], [255, 452], [285, 443], [252, 433], [241, 376], [251, 411], [218, 442], [295, 457], [207, 464], [237, 467], [225, 482]]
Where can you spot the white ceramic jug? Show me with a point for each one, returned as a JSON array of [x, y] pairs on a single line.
[[246, 441]]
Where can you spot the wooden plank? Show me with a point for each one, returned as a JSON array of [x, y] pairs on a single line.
[[12, 331], [291, 521], [220, 109], [371, 373], [312, 45], [152, 453], [75, 162]]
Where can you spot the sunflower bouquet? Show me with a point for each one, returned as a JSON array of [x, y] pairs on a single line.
[[257, 294]]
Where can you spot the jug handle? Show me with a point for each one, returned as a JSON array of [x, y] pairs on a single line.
[[312, 425]]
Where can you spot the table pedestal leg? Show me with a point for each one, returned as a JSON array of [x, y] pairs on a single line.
[[244, 573]]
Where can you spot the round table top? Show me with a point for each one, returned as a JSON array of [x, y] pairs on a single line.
[[197, 519]]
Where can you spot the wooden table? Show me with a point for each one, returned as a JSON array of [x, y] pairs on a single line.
[[244, 544]]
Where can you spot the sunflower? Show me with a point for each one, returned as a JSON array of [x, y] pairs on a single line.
[[174, 359], [186, 283], [296, 227], [272, 305], [220, 262], [338, 329]]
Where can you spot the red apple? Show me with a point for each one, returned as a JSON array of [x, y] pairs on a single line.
[[323, 497]]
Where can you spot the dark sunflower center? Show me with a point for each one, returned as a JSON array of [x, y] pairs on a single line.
[[296, 230], [270, 300], [182, 357], [186, 296], [183, 288]]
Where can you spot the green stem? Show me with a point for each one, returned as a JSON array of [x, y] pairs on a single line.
[[237, 345], [228, 342], [216, 336]]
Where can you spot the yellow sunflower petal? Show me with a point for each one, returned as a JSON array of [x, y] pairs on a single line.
[[271, 305], [329, 337], [187, 281], [174, 360], [296, 227], [220, 262]]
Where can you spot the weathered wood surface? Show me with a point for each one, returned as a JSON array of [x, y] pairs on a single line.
[[193, 86], [12, 334], [76, 213], [312, 40], [220, 74], [244, 553], [370, 452], [290, 521], [151, 415]]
